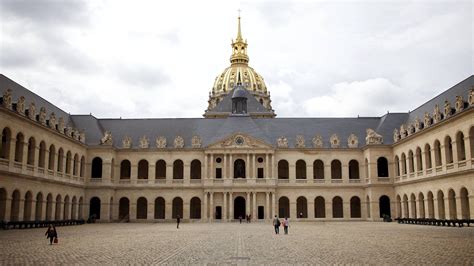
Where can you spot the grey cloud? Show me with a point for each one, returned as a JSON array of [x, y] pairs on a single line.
[[141, 76]]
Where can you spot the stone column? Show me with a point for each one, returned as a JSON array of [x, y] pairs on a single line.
[[150, 209], [455, 152], [247, 203], [467, 150], [211, 174], [231, 169], [37, 158], [11, 155], [345, 172], [274, 171], [436, 208], [8, 208], [458, 207], [133, 209], [205, 174], [443, 156], [224, 208], [134, 173], [266, 175], [254, 165], [231, 206], [204, 209], [224, 168], [471, 206], [327, 172], [33, 210], [186, 209], [293, 210], [309, 171], [104, 210], [186, 174], [311, 209], [151, 172], [427, 208], [168, 209], [254, 206], [24, 158], [411, 211], [346, 208], [363, 210], [247, 168], [21, 208], [292, 172], [274, 207], [211, 205], [267, 211], [329, 209], [169, 171], [447, 209]]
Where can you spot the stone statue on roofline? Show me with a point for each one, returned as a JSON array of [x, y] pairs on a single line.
[[372, 137], [107, 139]]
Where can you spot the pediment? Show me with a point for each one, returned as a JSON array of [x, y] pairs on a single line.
[[239, 141]]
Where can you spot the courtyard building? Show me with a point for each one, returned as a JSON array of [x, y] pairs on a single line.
[[239, 159]]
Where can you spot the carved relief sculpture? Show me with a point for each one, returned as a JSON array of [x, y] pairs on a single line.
[[436, 114], [32, 111], [20, 105], [282, 142], [127, 142], [396, 135], [178, 142], [52, 121], [82, 137], [106, 139], [144, 142], [335, 142], [68, 130], [447, 109], [373, 138], [410, 129], [7, 99], [352, 141], [470, 99], [403, 131], [300, 143], [196, 142], [61, 124], [160, 142], [75, 135], [417, 124], [318, 141], [427, 120], [459, 106], [42, 116]]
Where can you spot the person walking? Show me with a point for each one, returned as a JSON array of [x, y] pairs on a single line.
[[240, 218], [286, 224], [178, 220], [51, 233], [276, 224]]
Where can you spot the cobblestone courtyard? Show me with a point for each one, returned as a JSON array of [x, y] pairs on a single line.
[[233, 243]]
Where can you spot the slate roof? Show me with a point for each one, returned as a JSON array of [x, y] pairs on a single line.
[[253, 106]]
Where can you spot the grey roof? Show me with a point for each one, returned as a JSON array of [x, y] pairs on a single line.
[[253, 106], [18, 90], [239, 92]]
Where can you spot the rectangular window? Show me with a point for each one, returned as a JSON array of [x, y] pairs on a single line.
[[260, 173], [218, 172]]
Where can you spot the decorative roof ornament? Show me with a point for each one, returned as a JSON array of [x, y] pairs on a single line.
[[427, 120], [447, 109], [317, 141], [32, 111], [300, 142], [42, 116], [106, 139], [82, 136], [436, 114], [239, 48], [178, 142], [68, 130], [335, 141], [282, 142], [7, 99], [196, 142], [160, 142], [75, 135], [52, 121], [396, 135], [417, 124], [144, 142], [459, 106], [403, 131], [470, 99], [20, 105], [352, 141], [61, 125], [410, 129], [127, 142], [372, 137]]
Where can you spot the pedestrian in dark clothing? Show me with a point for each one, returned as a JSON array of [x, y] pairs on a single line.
[[178, 220], [276, 224], [286, 223], [240, 219], [51, 234]]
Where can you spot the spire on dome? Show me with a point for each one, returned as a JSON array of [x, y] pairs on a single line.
[[239, 47], [239, 32]]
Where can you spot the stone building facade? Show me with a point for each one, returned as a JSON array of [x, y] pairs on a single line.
[[238, 160]]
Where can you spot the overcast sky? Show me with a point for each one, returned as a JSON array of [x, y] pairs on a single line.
[[160, 58]]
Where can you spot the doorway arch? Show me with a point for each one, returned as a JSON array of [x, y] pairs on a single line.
[[239, 207], [284, 207], [384, 206]]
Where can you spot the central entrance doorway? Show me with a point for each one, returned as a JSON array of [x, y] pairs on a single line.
[[261, 214], [239, 208]]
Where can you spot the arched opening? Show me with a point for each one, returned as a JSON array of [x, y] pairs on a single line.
[[42, 155], [195, 208], [404, 164], [96, 171], [419, 164], [460, 146], [83, 164], [354, 169], [336, 171], [94, 208], [5, 145], [384, 206], [49, 207], [300, 169], [20, 139], [284, 207], [452, 204], [68, 162], [3, 204], [196, 169], [283, 169], [159, 208], [355, 207], [319, 207], [465, 211], [38, 207], [382, 167], [421, 205], [143, 169], [125, 169], [66, 208], [413, 213], [239, 168], [405, 206], [448, 147], [75, 164], [411, 162], [142, 208], [27, 207], [302, 207], [428, 164], [15, 206], [160, 169], [430, 205], [437, 152], [124, 209], [80, 209], [399, 206], [318, 169], [59, 203], [52, 155], [178, 170], [30, 158], [337, 208], [177, 208], [239, 207], [60, 160], [440, 200], [397, 166]]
